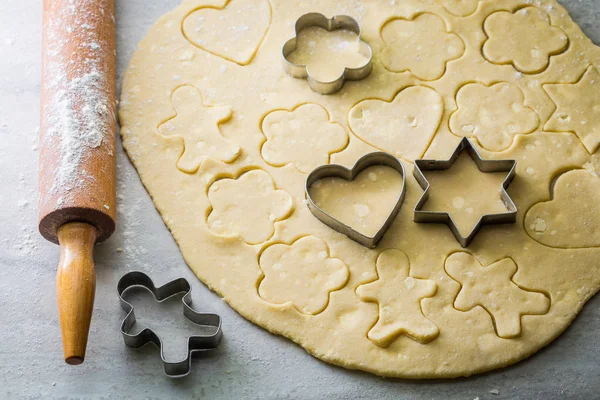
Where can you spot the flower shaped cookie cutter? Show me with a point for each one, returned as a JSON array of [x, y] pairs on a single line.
[[338, 22]]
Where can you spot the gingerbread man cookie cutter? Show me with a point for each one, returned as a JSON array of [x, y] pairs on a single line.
[[338, 171], [483, 165], [202, 342], [338, 22]]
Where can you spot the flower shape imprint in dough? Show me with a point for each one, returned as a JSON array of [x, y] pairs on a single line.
[[198, 125], [302, 273], [493, 114], [247, 206], [525, 39], [399, 298], [493, 288], [420, 45], [304, 137]]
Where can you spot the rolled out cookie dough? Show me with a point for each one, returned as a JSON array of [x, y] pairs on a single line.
[[223, 139]]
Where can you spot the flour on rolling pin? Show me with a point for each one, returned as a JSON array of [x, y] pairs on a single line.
[[77, 156], [79, 113]]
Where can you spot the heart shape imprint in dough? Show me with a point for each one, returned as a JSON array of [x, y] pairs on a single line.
[[226, 32], [380, 178], [404, 126]]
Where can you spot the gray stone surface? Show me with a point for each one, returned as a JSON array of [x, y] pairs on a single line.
[[251, 362]]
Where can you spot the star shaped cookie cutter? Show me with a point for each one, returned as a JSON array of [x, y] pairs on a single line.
[[484, 166], [338, 171], [338, 22], [196, 343]]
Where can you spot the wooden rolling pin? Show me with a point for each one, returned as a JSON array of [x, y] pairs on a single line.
[[77, 152]]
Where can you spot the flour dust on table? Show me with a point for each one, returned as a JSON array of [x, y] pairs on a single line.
[[223, 140]]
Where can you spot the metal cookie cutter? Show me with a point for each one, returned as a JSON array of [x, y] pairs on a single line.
[[483, 166], [337, 22], [333, 170], [195, 343]]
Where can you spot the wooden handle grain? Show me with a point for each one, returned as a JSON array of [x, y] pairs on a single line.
[[75, 287], [77, 153]]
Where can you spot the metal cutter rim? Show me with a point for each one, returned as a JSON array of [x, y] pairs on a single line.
[[483, 165], [196, 343], [337, 22], [349, 174]]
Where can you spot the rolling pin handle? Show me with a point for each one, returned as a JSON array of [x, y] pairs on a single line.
[[75, 287]]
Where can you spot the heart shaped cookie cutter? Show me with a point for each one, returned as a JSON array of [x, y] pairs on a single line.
[[338, 171], [338, 22]]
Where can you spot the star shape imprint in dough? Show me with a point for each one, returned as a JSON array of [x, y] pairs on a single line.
[[198, 125], [493, 288], [399, 298], [577, 108]]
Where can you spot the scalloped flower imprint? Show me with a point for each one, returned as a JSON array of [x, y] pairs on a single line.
[[304, 137], [302, 273], [493, 114], [505, 44], [420, 45], [247, 206]]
